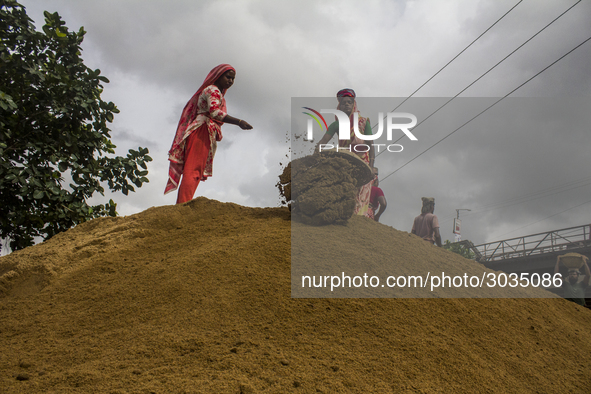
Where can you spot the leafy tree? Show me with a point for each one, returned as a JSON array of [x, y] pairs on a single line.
[[53, 131], [462, 248]]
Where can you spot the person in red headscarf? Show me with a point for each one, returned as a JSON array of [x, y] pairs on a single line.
[[347, 104], [377, 199], [198, 132]]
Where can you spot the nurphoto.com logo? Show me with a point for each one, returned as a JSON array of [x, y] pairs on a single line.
[[344, 129]]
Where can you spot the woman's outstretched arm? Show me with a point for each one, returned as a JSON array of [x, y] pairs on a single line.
[[244, 125]]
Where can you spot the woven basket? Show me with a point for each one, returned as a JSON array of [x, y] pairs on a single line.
[[572, 260]]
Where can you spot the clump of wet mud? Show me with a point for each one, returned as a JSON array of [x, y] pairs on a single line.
[[321, 188]]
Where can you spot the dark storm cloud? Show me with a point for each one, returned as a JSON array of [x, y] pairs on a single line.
[[157, 53]]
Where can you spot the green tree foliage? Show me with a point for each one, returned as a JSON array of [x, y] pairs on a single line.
[[53, 131], [461, 248]]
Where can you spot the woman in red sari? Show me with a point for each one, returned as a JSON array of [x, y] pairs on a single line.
[[347, 104], [198, 132]]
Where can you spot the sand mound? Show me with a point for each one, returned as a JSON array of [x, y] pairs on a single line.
[[196, 299], [363, 247]]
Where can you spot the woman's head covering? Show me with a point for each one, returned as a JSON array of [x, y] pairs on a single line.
[[341, 94], [345, 93], [428, 202], [214, 75], [190, 110]]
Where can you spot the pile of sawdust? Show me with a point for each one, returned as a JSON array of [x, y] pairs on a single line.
[[195, 298], [321, 188], [365, 248]]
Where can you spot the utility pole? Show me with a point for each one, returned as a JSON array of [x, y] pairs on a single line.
[[458, 224]]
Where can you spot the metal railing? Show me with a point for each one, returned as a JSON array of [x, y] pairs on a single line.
[[552, 241]]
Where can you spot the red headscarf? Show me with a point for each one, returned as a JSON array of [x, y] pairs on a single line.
[[190, 110], [345, 93], [187, 117], [348, 93], [361, 124]]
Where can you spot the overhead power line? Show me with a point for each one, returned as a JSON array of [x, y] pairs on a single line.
[[486, 109], [541, 220], [489, 70], [455, 57], [527, 197]]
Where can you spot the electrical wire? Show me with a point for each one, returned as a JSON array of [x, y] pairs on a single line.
[[541, 220], [486, 109], [527, 197], [489, 70], [456, 56]]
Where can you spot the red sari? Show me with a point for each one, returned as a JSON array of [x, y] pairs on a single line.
[[195, 141]]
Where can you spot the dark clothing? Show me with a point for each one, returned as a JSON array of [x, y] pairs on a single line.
[[574, 293]]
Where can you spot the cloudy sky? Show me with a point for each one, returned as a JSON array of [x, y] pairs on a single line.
[[518, 174]]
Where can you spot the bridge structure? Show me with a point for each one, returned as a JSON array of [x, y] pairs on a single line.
[[535, 253]]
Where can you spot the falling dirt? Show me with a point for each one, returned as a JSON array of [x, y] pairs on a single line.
[[195, 298]]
